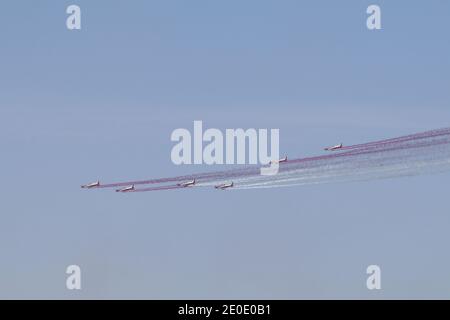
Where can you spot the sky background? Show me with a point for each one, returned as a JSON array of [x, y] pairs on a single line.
[[102, 102]]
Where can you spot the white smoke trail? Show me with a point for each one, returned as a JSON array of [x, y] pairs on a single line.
[[420, 153], [383, 164]]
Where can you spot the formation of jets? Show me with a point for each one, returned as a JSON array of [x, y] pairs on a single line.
[[192, 182]]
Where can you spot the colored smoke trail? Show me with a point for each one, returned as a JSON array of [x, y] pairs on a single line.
[[199, 176], [393, 162], [419, 153], [411, 137], [156, 189]]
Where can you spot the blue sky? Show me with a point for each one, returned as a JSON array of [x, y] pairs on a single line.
[[102, 102]]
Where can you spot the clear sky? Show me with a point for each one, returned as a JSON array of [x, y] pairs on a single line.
[[101, 103]]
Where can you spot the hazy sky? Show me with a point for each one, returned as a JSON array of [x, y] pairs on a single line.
[[101, 103]]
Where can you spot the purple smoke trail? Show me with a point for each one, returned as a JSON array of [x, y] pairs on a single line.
[[200, 176], [345, 157], [157, 188], [406, 159], [422, 135], [395, 144]]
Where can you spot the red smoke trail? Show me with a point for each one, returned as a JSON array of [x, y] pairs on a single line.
[[422, 135], [157, 188], [400, 143]]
